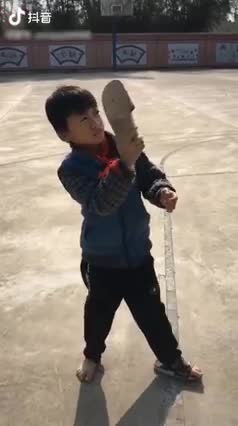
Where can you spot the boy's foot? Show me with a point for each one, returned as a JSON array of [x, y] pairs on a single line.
[[180, 369], [86, 372]]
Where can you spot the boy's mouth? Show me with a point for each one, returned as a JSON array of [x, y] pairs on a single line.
[[98, 132]]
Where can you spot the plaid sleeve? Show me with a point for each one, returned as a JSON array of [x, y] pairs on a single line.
[[151, 180], [102, 196]]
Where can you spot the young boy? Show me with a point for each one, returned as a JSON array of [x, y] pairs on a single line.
[[107, 180]]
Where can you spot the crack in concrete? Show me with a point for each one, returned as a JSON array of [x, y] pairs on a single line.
[[184, 146], [43, 157], [228, 172]]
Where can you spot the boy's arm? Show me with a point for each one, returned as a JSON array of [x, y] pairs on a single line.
[[151, 180], [102, 196]]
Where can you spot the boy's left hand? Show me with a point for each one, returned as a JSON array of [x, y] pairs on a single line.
[[168, 199]]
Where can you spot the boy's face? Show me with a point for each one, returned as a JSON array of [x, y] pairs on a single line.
[[85, 129]]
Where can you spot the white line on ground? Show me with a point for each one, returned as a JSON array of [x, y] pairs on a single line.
[[24, 92]]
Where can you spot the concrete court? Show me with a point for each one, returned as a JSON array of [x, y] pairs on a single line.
[[189, 121]]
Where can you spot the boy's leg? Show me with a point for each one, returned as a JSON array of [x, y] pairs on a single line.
[[143, 299], [104, 298]]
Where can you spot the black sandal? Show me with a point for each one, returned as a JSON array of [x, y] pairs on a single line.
[[180, 369]]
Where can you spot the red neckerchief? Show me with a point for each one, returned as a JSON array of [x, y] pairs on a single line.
[[107, 156], [105, 153]]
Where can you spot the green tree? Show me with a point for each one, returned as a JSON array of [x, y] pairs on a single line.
[[149, 15], [234, 10], [161, 15]]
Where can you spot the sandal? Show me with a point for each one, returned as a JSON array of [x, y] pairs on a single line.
[[180, 369], [118, 108]]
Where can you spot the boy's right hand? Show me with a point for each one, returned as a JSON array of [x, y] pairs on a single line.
[[130, 152]]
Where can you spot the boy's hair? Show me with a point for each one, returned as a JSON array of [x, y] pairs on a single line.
[[67, 100]]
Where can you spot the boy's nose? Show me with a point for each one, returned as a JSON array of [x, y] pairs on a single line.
[[94, 123]]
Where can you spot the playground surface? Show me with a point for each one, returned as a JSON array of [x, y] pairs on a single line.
[[189, 123]]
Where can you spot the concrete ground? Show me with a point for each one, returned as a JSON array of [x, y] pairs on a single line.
[[189, 121]]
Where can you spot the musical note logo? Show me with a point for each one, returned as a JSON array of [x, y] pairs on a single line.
[[15, 18]]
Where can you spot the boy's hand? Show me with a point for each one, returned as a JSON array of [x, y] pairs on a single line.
[[168, 199], [131, 151]]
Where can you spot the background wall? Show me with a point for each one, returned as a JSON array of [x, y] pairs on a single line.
[[137, 51]]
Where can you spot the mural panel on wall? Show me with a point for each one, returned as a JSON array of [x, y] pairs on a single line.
[[67, 55], [13, 57], [183, 53], [227, 53], [131, 54]]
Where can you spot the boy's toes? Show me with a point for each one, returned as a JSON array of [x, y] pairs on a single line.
[[83, 376], [196, 372], [80, 375], [87, 371]]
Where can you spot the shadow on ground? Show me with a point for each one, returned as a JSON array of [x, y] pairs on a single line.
[[151, 408], [8, 77]]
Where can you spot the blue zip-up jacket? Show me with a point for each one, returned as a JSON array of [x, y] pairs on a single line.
[[116, 226]]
